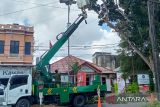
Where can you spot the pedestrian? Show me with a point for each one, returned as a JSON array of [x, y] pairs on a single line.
[[57, 78]]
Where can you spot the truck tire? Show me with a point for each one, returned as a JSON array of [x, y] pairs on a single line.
[[79, 101], [23, 103]]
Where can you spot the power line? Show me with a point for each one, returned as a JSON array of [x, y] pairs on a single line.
[[80, 49], [24, 9], [34, 49], [48, 6], [29, 2], [74, 46], [38, 5]]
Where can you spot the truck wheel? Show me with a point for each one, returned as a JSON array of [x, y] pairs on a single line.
[[23, 103], [79, 101]]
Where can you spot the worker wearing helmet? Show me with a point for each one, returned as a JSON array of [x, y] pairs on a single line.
[[57, 78]]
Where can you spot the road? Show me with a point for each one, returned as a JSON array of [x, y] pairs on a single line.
[[119, 105], [103, 105], [107, 105]]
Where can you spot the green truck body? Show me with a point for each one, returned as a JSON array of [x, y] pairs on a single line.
[[65, 92]]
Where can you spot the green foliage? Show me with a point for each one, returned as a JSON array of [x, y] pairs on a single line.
[[116, 88], [132, 88], [131, 63], [125, 75], [155, 104], [75, 67], [136, 28]]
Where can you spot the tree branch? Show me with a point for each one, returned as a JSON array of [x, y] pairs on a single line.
[[132, 45], [149, 62]]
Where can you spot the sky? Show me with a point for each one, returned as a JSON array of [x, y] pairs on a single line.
[[49, 18]]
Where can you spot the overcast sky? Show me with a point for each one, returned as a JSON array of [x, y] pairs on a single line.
[[49, 18]]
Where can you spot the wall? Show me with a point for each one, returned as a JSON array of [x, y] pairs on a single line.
[[104, 59], [7, 70], [18, 33]]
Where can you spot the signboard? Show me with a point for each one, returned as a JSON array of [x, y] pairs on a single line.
[[143, 79], [81, 79], [143, 88], [64, 78], [108, 83], [6, 72]]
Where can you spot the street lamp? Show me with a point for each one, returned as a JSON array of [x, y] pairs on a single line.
[[68, 2]]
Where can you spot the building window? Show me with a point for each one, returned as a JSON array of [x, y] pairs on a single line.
[[14, 47], [103, 80], [27, 48], [87, 80], [1, 47]]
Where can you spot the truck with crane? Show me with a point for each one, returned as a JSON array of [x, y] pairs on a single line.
[[25, 90]]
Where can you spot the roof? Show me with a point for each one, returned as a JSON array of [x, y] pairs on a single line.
[[101, 53], [64, 65], [117, 69], [28, 65]]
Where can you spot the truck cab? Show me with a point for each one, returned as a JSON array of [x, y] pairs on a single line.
[[18, 90]]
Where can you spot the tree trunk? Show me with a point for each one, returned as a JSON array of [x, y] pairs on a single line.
[[123, 35], [125, 85]]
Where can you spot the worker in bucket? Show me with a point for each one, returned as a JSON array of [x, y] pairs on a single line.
[[57, 78]]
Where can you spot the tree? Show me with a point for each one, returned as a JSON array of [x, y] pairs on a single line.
[[130, 62], [132, 26], [75, 67]]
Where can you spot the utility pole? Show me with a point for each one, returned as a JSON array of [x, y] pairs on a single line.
[[68, 24], [68, 3], [152, 7]]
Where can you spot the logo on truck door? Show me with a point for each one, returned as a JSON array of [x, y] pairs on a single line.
[[74, 89], [49, 91]]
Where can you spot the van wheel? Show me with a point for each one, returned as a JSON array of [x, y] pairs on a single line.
[[79, 101], [23, 103]]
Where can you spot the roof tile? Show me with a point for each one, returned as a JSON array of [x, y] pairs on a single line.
[[64, 65]]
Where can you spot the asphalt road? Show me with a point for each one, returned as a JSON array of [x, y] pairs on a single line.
[[119, 105], [111, 105], [103, 105]]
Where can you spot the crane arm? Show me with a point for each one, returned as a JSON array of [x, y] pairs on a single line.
[[41, 66]]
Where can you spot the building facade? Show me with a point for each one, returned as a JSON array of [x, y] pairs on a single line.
[[16, 49], [16, 44], [104, 59]]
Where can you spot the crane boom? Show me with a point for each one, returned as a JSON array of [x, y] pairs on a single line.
[[41, 66]]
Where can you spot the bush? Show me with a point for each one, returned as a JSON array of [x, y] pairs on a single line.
[[115, 88], [132, 88], [155, 104]]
